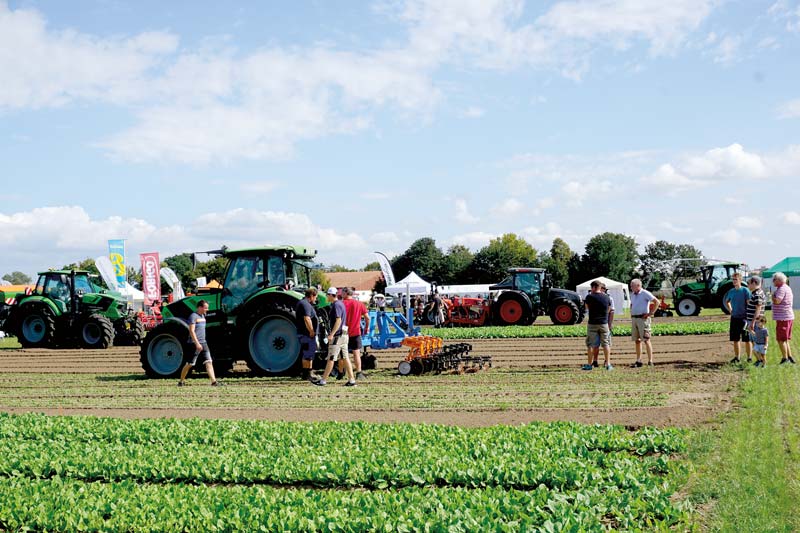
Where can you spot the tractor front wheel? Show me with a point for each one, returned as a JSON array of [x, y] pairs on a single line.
[[162, 353], [688, 307], [97, 332], [131, 333], [512, 311], [37, 327], [565, 313]]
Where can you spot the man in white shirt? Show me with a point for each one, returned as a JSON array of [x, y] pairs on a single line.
[[643, 304]]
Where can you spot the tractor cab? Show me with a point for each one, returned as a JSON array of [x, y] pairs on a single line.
[[714, 275], [64, 289], [527, 280]]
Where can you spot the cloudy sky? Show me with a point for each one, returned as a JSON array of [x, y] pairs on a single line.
[[354, 127]]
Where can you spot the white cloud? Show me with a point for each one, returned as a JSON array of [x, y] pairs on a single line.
[[474, 112], [576, 193], [791, 217], [748, 222], [461, 212], [731, 162], [782, 10], [475, 239], [729, 237], [385, 237], [733, 200], [508, 207], [790, 109], [267, 101], [667, 178], [727, 51], [669, 226], [768, 43], [53, 236], [259, 187]]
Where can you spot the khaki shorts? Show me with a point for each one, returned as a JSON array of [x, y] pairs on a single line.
[[640, 329], [338, 348], [597, 335]]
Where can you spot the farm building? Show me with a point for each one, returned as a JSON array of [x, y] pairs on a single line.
[[789, 266], [362, 282]]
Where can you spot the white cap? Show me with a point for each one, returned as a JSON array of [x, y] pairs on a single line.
[[332, 290]]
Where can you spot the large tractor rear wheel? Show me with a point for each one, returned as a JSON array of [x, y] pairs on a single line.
[[512, 310], [96, 333], [162, 353], [131, 333], [688, 307], [37, 327], [565, 313], [270, 340]]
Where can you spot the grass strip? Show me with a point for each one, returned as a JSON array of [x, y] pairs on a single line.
[[748, 469], [578, 330]]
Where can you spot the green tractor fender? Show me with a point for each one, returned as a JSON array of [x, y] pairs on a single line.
[[24, 306]]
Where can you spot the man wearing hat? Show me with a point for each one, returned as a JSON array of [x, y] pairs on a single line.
[[337, 341]]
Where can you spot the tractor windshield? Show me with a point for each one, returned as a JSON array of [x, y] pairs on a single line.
[[716, 275], [300, 273], [245, 276], [82, 283], [529, 282]]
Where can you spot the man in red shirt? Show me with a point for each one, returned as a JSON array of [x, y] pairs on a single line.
[[355, 310]]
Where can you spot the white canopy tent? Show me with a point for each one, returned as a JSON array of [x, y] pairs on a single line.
[[618, 291], [464, 290], [411, 284]]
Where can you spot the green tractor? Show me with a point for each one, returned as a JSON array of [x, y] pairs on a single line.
[[67, 310], [527, 293], [250, 318], [713, 282]]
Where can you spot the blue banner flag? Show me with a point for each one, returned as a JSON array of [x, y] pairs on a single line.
[[116, 252]]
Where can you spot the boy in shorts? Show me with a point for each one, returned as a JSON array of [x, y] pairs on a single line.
[[760, 338]]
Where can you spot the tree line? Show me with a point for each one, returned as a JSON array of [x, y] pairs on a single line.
[[613, 255]]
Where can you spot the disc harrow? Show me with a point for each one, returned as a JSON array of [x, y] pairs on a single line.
[[429, 354]]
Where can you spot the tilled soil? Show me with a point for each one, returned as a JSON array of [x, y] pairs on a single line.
[[531, 379]]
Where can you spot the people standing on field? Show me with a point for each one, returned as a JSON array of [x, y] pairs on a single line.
[[596, 343], [598, 305], [337, 341], [755, 308], [306, 321], [735, 301], [197, 335], [355, 312], [783, 315], [643, 305]]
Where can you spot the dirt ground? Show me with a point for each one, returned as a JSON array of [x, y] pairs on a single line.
[[531, 379]]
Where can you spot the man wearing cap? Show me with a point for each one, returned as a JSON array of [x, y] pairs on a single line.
[[337, 341]]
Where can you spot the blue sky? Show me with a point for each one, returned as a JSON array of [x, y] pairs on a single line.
[[354, 127]]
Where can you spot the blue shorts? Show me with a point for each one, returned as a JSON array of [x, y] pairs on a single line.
[[308, 347], [204, 354]]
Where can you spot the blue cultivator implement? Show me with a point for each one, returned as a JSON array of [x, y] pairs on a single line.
[[387, 330]]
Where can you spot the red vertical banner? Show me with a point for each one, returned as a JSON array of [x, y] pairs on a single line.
[[151, 277]]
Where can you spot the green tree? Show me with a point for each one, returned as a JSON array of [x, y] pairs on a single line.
[[87, 264], [319, 279], [422, 257], [558, 261], [371, 266], [183, 266], [665, 261], [18, 278], [339, 268], [211, 269], [491, 263], [455, 265], [612, 255]]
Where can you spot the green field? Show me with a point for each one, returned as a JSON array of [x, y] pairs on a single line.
[[156, 475], [578, 330], [9, 343]]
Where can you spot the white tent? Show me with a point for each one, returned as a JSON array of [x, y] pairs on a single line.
[[619, 292], [415, 284]]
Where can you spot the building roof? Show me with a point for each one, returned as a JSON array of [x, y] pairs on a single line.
[[360, 281], [789, 266]]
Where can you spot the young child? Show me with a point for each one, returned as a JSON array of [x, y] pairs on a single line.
[[760, 337]]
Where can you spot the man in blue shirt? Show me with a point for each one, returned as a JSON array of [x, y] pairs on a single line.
[[337, 341], [735, 300]]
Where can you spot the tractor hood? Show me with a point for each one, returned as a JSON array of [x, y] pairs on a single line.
[[566, 294]]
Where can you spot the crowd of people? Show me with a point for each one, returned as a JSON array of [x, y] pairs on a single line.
[[747, 331]]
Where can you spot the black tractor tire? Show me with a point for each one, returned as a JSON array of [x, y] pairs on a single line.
[[564, 313], [96, 332], [222, 367], [36, 327], [687, 306], [724, 309], [132, 336], [512, 309], [269, 339], [164, 350]]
